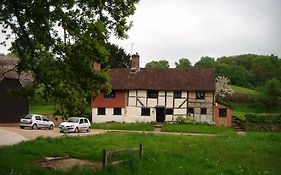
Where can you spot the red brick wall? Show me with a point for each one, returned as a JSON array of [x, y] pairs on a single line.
[[223, 121], [118, 101]]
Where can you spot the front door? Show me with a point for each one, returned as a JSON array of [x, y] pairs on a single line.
[[160, 114]]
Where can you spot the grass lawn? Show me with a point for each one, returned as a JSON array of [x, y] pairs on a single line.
[[240, 109], [254, 153], [209, 129], [243, 90], [41, 108], [124, 126]]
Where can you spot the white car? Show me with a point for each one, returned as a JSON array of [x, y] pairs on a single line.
[[75, 124], [36, 121]]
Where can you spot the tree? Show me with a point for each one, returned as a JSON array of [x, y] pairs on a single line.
[[270, 95], [183, 63], [118, 58], [161, 64], [206, 61], [60, 40], [222, 88]]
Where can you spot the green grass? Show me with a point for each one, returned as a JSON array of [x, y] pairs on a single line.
[[208, 129], [243, 90], [41, 108], [124, 126], [240, 109], [254, 153]]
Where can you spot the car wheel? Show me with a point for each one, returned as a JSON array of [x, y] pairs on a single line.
[[61, 131], [34, 126], [51, 127], [89, 129], [76, 130], [22, 127]]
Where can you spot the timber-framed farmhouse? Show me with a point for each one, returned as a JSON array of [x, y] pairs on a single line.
[[156, 95]]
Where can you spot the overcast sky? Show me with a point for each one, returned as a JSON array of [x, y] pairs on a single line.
[[173, 29], [166, 29]]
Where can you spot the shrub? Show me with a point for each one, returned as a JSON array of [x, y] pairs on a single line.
[[263, 118], [185, 119]]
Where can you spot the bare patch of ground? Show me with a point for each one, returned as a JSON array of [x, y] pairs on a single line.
[[66, 163]]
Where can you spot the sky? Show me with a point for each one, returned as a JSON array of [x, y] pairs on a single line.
[[166, 29], [174, 29]]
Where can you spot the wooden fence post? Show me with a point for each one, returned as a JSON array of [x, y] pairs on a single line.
[[104, 162], [141, 150]]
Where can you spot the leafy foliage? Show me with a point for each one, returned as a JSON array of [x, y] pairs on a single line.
[[161, 64], [222, 88], [271, 93], [118, 58], [60, 40], [183, 63], [263, 118]]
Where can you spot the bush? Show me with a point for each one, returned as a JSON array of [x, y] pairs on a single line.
[[185, 119], [263, 118]]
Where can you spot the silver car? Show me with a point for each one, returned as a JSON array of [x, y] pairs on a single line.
[[75, 124], [36, 121]]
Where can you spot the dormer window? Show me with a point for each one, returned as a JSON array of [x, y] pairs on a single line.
[[111, 95], [200, 95]]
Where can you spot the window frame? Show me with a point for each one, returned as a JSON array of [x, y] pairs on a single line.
[[203, 111], [116, 111], [200, 95], [100, 112], [224, 113], [171, 111], [189, 110], [152, 94], [145, 111], [177, 94]]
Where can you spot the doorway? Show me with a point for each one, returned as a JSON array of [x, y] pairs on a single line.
[[160, 114]]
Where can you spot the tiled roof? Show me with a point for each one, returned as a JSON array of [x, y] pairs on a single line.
[[9, 62], [189, 79]]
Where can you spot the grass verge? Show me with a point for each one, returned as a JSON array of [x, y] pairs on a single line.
[[124, 126], [208, 129], [254, 153]]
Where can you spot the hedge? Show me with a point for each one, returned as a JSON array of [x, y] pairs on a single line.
[[263, 118]]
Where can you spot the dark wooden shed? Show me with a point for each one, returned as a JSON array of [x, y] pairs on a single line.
[[12, 107]]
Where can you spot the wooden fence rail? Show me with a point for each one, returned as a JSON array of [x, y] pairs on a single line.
[[111, 153]]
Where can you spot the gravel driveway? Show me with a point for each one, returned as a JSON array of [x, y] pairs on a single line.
[[28, 134]]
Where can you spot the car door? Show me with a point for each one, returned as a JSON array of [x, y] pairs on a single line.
[[45, 121], [39, 121], [87, 123], [81, 124]]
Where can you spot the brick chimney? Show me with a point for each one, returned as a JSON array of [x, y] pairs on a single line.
[[97, 66], [135, 61]]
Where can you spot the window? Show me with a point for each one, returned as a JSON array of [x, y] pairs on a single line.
[[222, 112], [81, 121], [37, 117], [169, 111], [200, 95], [191, 110], [101, 111], [203, 110], [45, 118], [117, 111], [86, 121], [152, 94], [177, 94], [111, 95], [145, 111]]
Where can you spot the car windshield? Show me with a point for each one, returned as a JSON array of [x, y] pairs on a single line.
[[27, 116], [73, 120]]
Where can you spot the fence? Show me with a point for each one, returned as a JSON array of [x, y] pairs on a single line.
[[111, 153]]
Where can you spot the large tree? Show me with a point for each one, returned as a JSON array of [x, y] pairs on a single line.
[[118, 58], [60, 40], [183, 63], [161, 64]]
